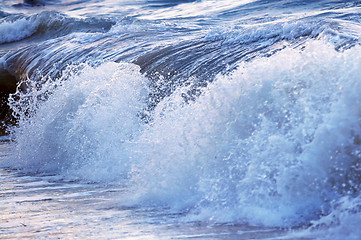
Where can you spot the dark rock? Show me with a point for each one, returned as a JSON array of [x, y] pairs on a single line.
[[7, 86]]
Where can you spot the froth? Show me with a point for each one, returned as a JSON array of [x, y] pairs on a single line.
[[82, 129], [16, 30], [273, 143]]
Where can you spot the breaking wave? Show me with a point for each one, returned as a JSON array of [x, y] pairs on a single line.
[[47, 24], [274, 142]]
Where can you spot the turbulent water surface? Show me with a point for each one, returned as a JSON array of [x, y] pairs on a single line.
[[178, 119]]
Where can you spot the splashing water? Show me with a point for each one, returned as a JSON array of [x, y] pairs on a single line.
[[218, 116], [273, 143]]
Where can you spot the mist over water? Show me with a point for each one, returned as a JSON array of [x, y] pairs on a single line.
[[231, 113]]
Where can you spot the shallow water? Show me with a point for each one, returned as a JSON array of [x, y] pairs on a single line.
[[49, 207]]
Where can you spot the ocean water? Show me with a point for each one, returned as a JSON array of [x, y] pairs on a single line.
[[161, 119]]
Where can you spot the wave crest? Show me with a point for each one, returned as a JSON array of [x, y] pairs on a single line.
[[273, 143]]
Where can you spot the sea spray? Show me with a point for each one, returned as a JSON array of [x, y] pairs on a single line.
[[181, 119], [273, 143], [83, 127]]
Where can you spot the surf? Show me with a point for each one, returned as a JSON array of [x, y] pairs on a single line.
[[254, 122]]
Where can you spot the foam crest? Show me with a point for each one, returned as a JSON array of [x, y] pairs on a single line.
[[18, 29], [271, 144], [52, 24], [84, 126]]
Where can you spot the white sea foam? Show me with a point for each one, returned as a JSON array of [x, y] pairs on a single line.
[[343, 222], [85, 125], [18, 29], [273, 143]]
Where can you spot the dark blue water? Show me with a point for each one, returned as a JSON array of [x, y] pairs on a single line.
[[221, 113]]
